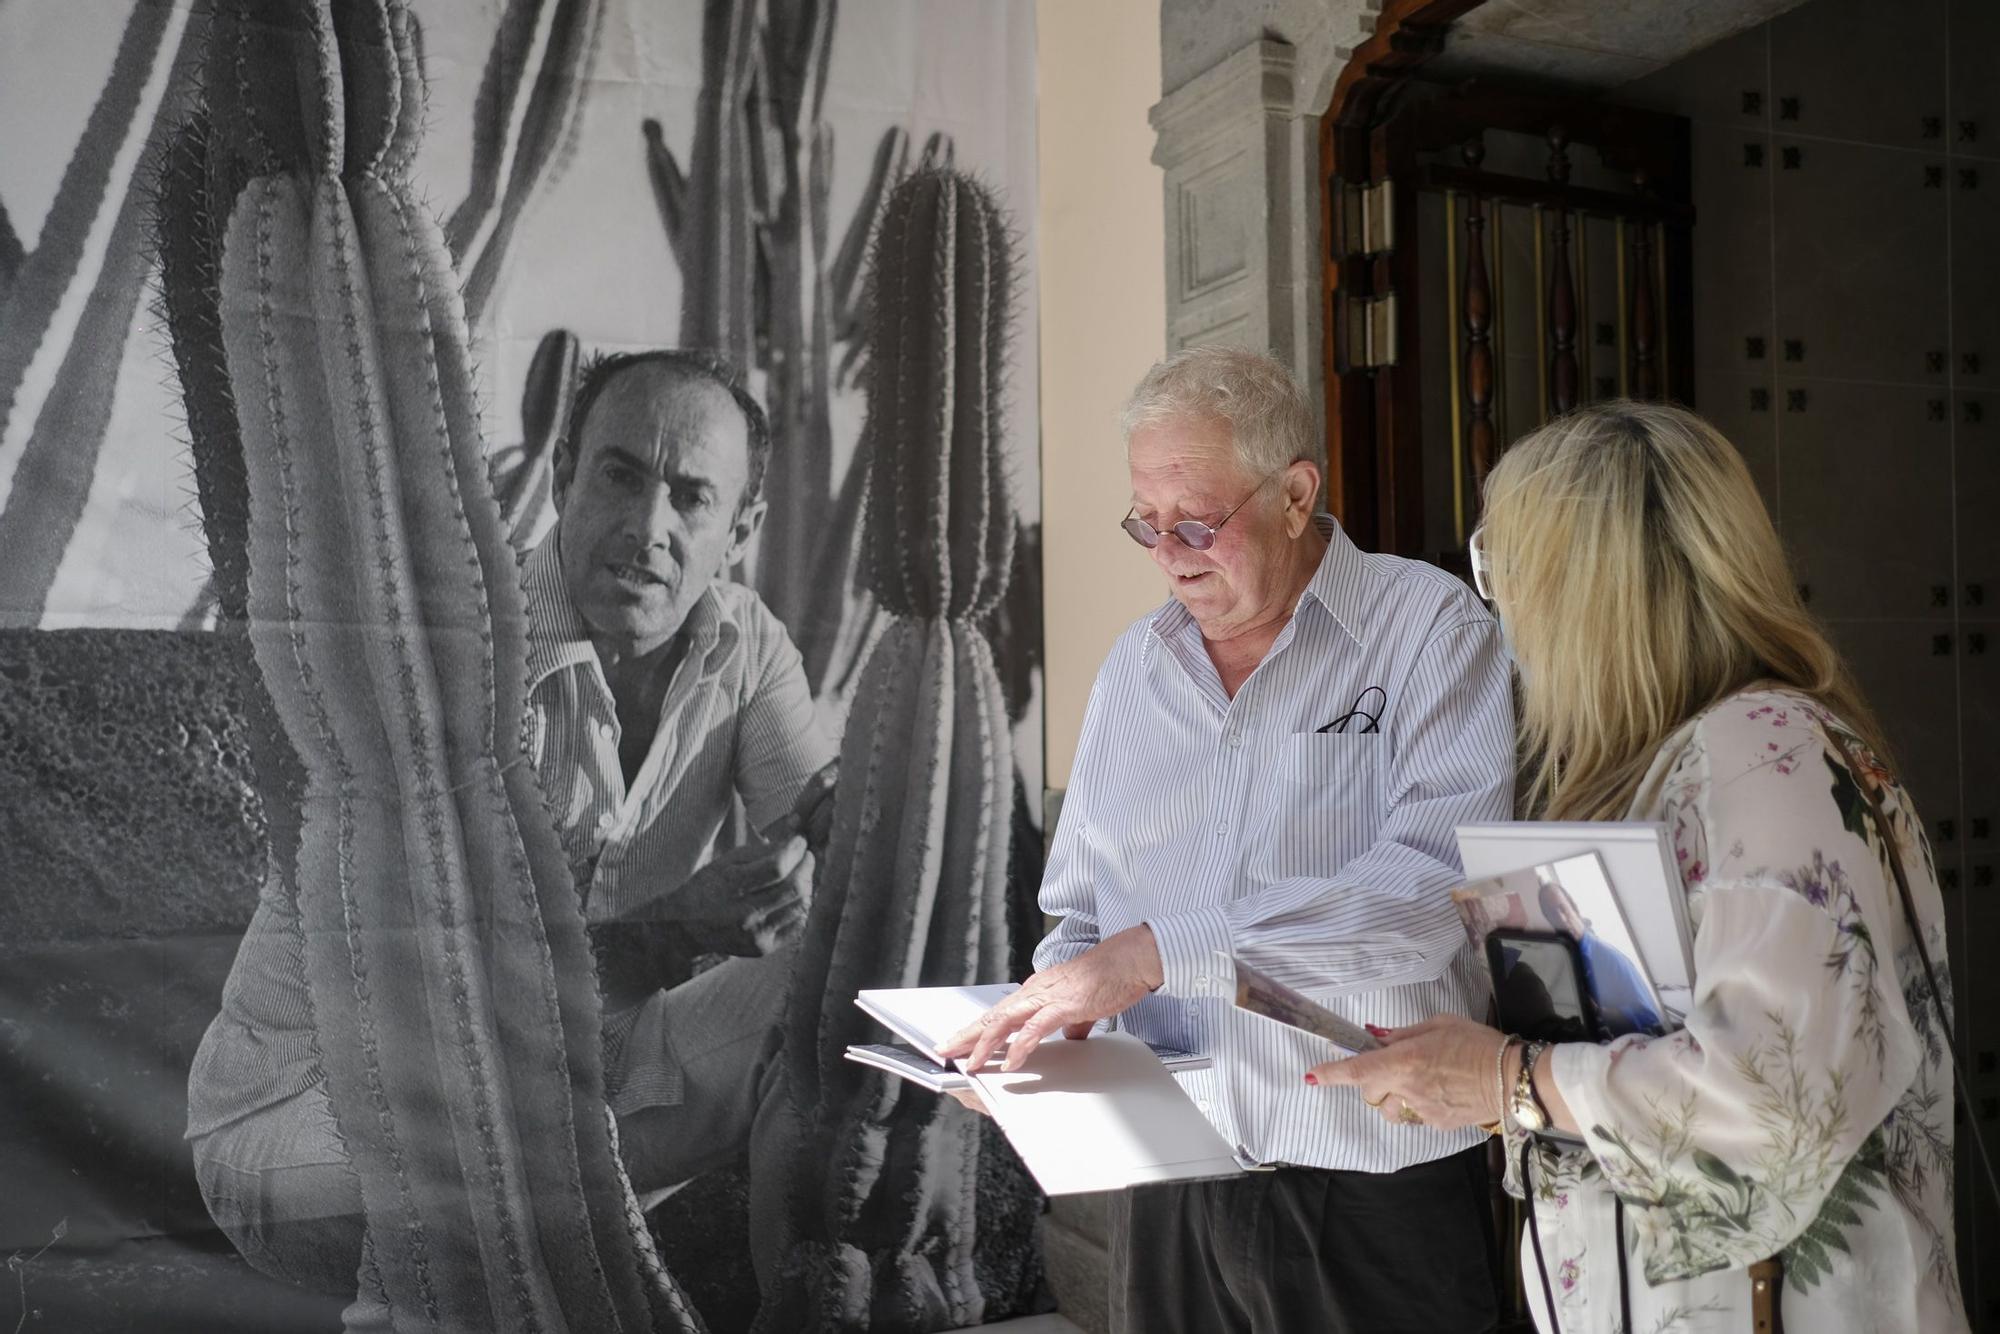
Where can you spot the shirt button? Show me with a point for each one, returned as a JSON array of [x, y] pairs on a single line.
[[1201, 984], [604, 821], [606, 730], [1204, 1105], [1235, 738]]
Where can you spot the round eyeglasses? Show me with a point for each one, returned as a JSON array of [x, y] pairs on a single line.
[[1193, 533]]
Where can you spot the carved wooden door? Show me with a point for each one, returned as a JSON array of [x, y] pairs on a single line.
[[1495, 257]]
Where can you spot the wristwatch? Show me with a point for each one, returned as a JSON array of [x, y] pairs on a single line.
[[1525, 1106]]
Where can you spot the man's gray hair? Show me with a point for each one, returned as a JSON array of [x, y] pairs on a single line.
[[1269, 416]]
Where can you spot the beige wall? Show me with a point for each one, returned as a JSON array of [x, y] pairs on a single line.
[[1103, 322]]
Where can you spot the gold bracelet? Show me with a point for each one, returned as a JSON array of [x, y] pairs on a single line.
[[1499, 1124]]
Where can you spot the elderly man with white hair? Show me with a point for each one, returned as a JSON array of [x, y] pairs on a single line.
[[1270, 768]]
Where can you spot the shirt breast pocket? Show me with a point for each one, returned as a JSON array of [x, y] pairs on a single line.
[[1327, 801]]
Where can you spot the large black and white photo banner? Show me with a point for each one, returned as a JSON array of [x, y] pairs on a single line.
[[519, 594]]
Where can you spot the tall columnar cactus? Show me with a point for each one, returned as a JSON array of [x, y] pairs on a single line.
[[748, 222], [525, 120], [11, 255], [524, 481], [912, 890], [45, 273], [198, 182], [446, 962], [151, 76]]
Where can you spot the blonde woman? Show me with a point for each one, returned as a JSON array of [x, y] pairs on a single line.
[[1668, 672]]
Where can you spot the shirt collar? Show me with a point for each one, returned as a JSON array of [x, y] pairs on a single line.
[[1335, 585], [558, 637]]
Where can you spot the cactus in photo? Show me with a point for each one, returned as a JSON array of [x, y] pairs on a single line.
[[524, 480], [451, 983], [525, 121], [197, 184], [748, 223], [151, 74], [912, 887], [11, 254], [43, 275]]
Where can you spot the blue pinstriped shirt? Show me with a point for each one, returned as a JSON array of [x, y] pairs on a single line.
[[1325, 859]]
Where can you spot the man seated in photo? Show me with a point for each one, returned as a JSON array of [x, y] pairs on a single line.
[[667, 708]]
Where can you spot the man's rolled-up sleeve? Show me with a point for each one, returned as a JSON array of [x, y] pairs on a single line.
[[1386, 918]]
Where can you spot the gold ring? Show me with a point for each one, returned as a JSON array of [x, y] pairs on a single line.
[[1377, 1102], [1410, 1116]]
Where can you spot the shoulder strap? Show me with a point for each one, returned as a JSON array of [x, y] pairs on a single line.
[[1767, 1280], [1888, 837]]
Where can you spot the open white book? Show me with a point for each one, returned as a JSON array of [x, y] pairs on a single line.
[[1103, 1113], [925, 1016], [906, 1062], [1633, 888]]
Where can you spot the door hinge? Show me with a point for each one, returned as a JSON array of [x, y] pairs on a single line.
[[1371, 331], [1368, 217]]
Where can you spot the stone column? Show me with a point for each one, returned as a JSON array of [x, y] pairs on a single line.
[[1223, 141], [1239, 146]]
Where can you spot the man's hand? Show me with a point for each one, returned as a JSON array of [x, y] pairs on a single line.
[[749, 901], [812, 810], [1104, 980]]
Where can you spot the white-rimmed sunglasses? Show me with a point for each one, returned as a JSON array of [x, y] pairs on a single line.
[[1482, 564]]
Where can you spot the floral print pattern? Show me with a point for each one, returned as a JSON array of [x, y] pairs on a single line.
[[1805, 1109]]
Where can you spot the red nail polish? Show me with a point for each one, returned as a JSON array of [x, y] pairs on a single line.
[[1377, 1031], [1311, 1078]]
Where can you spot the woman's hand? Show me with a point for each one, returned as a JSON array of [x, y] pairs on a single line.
[[1441, 1070]]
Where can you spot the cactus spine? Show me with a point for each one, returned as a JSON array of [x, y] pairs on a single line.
[[447, 967], [913, 887]]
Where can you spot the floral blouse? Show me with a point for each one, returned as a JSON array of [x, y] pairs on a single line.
[[1806, 1108]]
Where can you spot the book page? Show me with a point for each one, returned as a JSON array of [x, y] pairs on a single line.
[[908, 1063], [1103, 1114], [926, 1016]]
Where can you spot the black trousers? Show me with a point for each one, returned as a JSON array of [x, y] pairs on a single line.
[[1305, 1250]]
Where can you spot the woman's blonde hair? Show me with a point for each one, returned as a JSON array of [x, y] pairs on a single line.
[[1641, 581]]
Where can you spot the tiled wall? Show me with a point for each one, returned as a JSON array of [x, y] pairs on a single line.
[[1847, 330]]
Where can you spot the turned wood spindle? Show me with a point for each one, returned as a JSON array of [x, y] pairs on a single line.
[[1478, 307], [1562, 287], [1645, 360]]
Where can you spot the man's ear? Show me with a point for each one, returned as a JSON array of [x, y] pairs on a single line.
[[749, 518], [1302, 494]]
